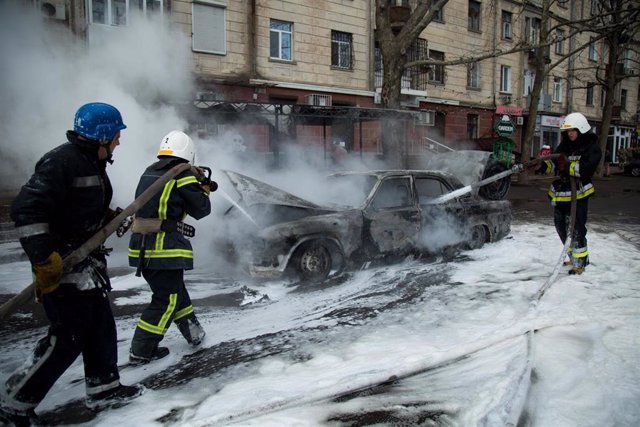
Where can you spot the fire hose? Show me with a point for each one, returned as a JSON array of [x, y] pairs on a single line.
[[97, 239]]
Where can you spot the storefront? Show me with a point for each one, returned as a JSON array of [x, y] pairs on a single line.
[[619, 137], [547, 132]]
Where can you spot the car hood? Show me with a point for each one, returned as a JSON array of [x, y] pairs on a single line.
[[255, 192]]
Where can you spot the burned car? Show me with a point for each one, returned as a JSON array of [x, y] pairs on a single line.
[[363, 216]]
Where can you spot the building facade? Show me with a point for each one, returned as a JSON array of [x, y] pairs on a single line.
[[319, 61]]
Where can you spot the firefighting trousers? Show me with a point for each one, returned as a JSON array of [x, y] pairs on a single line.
[[81, 323], [170, 303], [562, 220]]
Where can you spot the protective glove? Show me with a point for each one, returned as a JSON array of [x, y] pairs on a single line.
[[533, 166], [209, 187], [562, 162], [124, 226], [48, 273]]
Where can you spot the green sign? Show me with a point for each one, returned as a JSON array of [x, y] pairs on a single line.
[[504, 126]]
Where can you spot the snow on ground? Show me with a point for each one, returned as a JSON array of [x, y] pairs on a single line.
[[445, 343]]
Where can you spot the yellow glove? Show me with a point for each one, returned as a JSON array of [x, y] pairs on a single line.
[[48, 273]]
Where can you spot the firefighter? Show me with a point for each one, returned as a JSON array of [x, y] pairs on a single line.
[[64, 203], [579, 157], [159, 248]]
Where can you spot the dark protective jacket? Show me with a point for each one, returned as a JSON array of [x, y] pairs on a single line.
[[64, 202], [583, 157], [180, 197]]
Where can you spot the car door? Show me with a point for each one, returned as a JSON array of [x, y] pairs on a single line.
[[392, 217], [442, 224]]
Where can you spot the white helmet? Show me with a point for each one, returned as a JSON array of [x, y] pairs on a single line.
[[576, 121], [178, 144]]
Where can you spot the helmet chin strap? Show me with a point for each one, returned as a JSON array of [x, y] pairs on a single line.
[[107, 146]]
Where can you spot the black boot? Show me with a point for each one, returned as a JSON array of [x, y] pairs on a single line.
[[140, 359], [115, 397]]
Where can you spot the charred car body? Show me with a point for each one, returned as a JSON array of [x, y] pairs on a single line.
[[365, 216]]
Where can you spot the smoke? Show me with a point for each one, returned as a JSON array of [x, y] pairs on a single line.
[[48, 74]]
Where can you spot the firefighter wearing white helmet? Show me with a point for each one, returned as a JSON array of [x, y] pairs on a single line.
[[178, 144], [579, 157], [161, 251]]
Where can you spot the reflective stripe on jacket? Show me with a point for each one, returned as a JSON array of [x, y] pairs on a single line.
[[180, 197]]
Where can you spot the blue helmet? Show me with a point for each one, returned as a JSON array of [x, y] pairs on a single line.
[[98, 121]]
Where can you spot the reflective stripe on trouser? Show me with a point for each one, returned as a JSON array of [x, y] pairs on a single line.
[[170, 302], [81, 323], [561, 215]]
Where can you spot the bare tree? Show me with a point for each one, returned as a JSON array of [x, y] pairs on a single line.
[[395, 42]]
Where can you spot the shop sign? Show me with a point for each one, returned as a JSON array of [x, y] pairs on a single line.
[[551, 121], [509, 111], [504, 127]]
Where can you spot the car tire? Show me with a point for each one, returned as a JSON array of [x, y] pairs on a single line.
[[312, 261], [635, 171], [496, 190], [478, 237]]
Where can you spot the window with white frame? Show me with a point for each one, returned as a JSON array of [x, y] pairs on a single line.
[[603, 95], [208, 21], [473, 75], [532, 29], [475, 8], [594, 7], [627, 58], [557, 89], [527, 82], [559, 46], [281, 40], [593, 52], [341, 48], [118, 12], [507, 18], [436, 73], [623, 99], [505, 79]]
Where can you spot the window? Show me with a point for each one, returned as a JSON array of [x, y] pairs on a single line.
[[436, 73], [393, 193], [472, 126], [438, 16], [527, 82], [341, 48], [623, 99], [594, 7], [557, 89], [109, 12], [474, 15], [593, 55], [209, 33], [116, 12], [506, 25], [603, 95], [281, 40], [590, 87], [559, 42], [532, 30], [473, 75], [626, 59], [428, 189], [505, 79]]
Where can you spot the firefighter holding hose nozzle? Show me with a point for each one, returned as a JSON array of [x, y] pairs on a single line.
[[160, 249], [579, 156]]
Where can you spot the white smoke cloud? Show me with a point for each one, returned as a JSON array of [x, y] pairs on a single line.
[[48, 74]]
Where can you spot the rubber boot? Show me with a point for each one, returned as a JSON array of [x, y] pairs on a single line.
[[191, 330]]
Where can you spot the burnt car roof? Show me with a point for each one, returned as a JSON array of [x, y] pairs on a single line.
[[384, 173]]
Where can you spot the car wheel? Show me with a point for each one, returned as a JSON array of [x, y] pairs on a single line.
[[478, 237], [635, 171], [313, 261], [496, 190]]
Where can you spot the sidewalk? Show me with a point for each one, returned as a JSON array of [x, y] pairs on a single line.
[[616, 198]]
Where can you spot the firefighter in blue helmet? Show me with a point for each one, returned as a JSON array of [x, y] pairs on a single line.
[[64, 203], [579, 157], [160, 249]]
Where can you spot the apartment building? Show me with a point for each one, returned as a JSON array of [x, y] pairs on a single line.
[[318, 61]]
